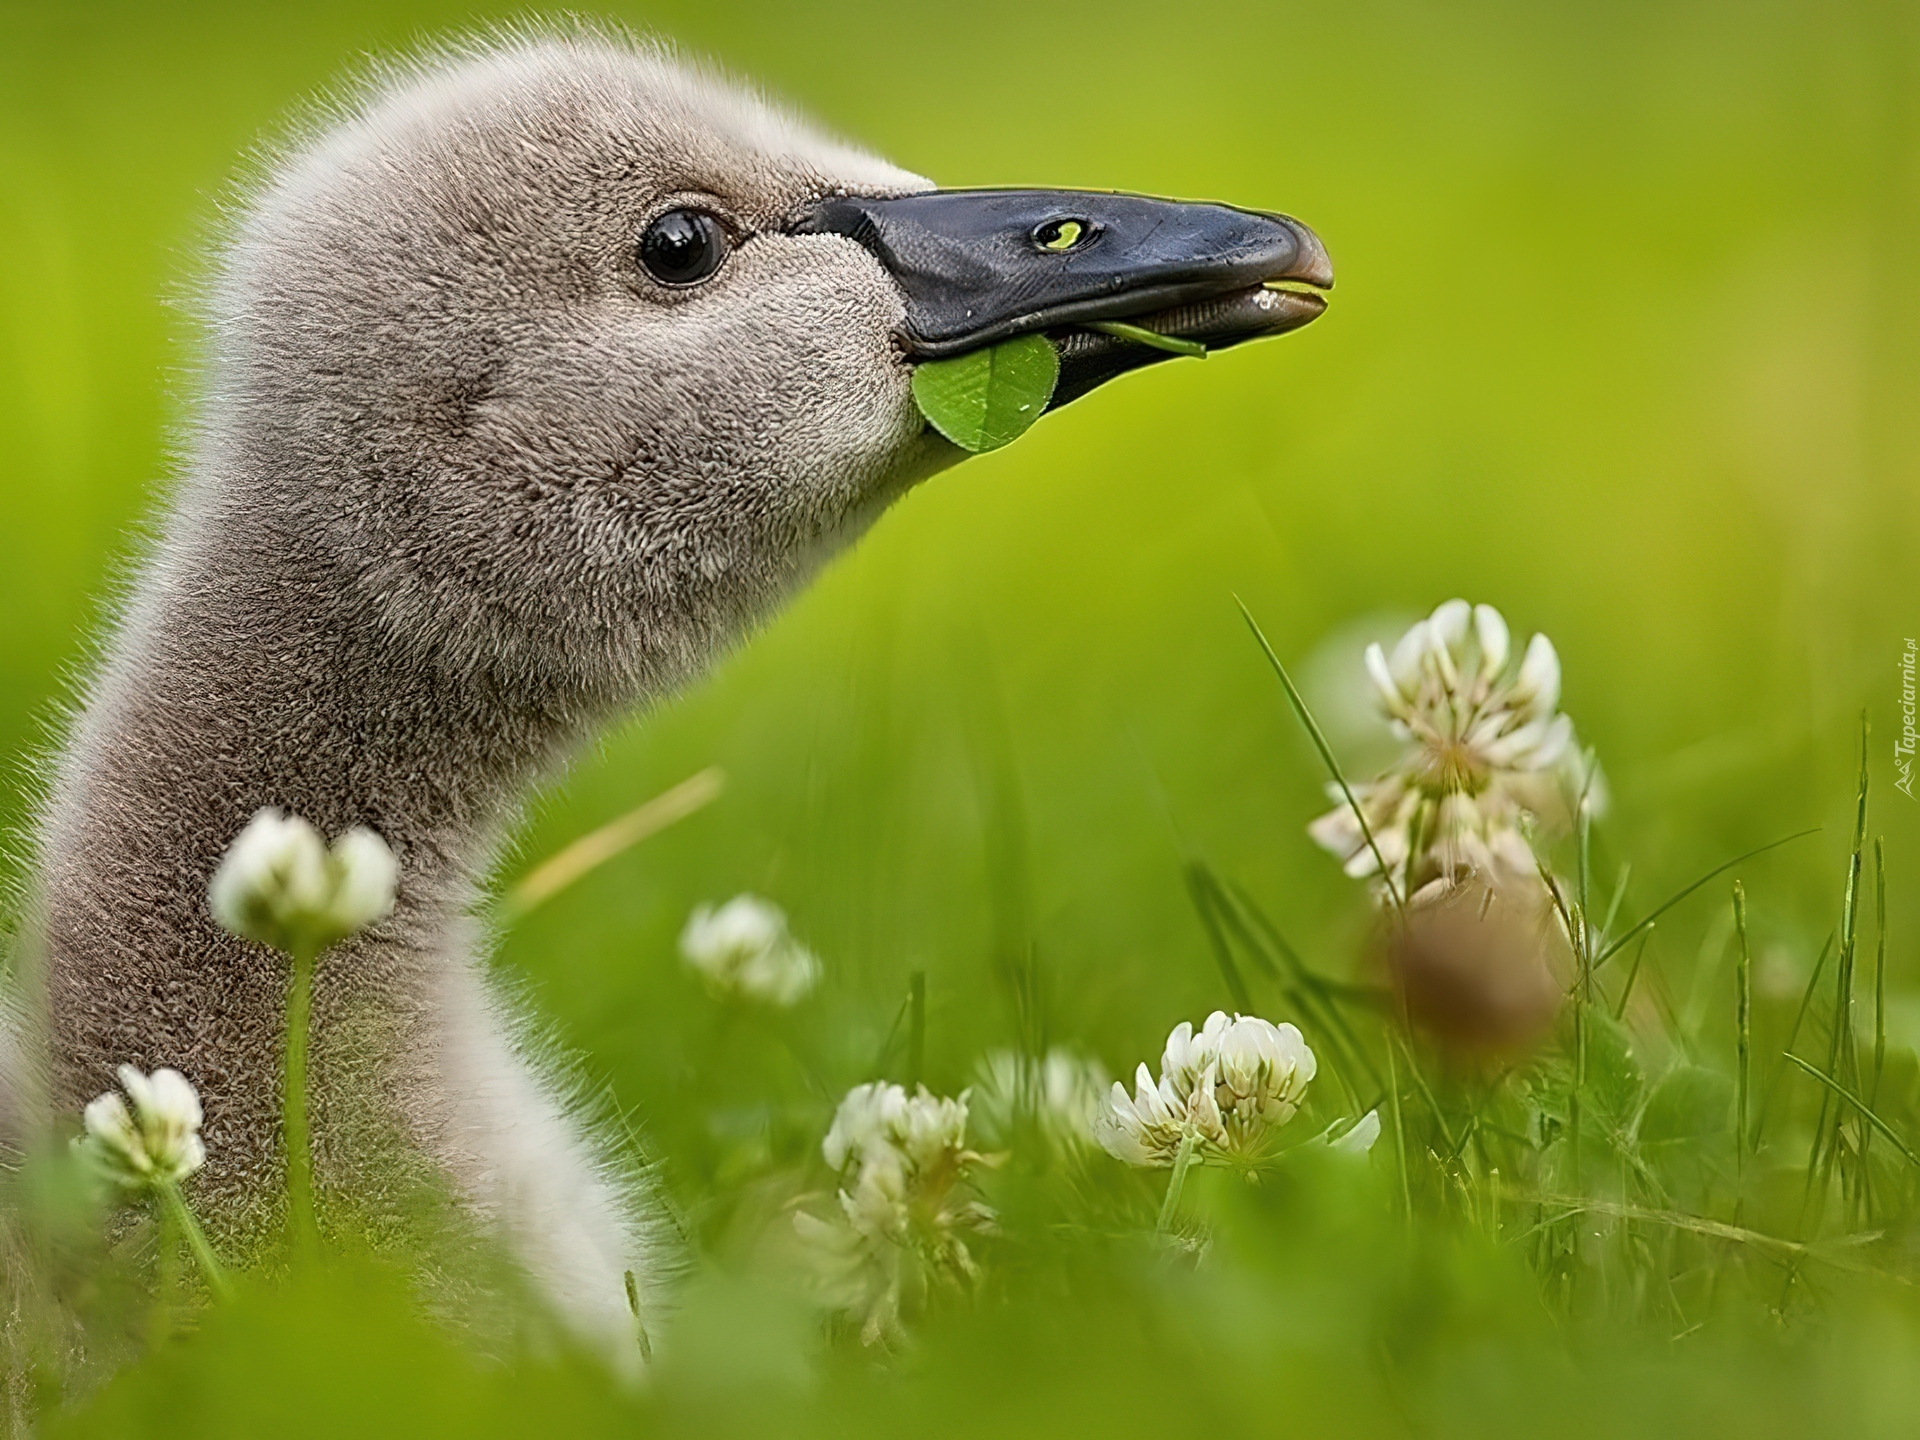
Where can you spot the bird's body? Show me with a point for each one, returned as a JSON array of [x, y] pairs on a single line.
[[467, 481]]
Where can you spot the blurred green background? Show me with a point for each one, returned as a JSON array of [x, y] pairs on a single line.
[[1626, 342]]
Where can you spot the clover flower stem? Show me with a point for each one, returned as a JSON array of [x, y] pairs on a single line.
[[174, 1206], [1181, 1160], [167, 1293], [306, 1230]]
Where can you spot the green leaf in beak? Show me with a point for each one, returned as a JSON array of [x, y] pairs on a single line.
[[989, 397]]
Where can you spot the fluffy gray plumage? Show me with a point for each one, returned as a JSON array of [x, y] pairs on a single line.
[[466, 483]]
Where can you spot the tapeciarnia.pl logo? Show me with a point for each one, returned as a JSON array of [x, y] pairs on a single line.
[[1903, 747]]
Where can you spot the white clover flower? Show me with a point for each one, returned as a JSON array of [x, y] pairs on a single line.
[[1229, 1088], [904, 1210], [744, 949], [934, 1130], [1488, 757], [1062, 1093], [866, 1122], [155, 1143], [1261, 1075], [879, 1123], [366, 880], [281, 885], [1148, 1128]]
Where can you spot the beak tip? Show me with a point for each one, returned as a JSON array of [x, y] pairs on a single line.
[[1311, 264]]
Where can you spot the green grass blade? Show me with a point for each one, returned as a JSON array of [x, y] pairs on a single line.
[[1426, 1093], [1619, 898], [1633, 973], [1743, 1024], [1793, 1036], [916, 1027], [1201, 893], [1858, 1104], [1842, 1061], [1326, 754], [593, 850], [1879, 964], [1583, 835], [1569, 1205], [1399, 1137], [1311, 995], [900, 1021], [1370, 997], [1718, 870], [1140, 335]]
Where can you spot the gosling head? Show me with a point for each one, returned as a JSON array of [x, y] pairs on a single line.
[[559, 362]]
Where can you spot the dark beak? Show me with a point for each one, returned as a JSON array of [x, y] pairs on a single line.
[[981, 266]]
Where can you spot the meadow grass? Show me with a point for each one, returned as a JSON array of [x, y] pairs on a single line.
[[1612, 1223]]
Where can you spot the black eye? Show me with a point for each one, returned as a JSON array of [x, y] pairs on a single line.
[[683, 247]]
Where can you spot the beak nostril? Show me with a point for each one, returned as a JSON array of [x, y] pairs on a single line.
[[1064, 234]]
